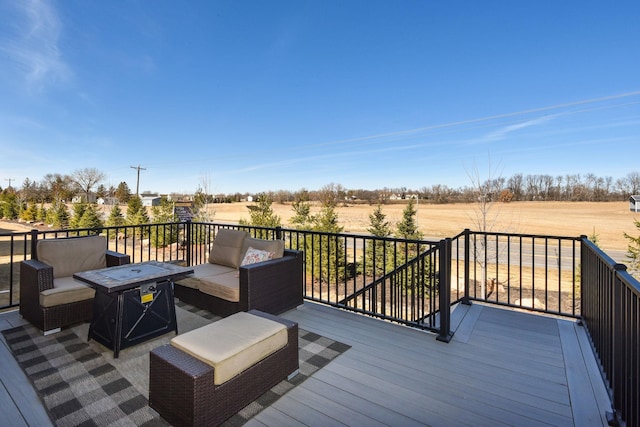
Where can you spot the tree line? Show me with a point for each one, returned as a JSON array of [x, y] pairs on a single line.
[[87, 184], [519, 187]]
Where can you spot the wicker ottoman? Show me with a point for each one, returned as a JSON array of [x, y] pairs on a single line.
[[187, 391]]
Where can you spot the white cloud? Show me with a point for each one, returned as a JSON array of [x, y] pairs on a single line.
[[31, 44], [504, 131]]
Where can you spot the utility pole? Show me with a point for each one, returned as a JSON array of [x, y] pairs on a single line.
[[138, 168], [9, 179]]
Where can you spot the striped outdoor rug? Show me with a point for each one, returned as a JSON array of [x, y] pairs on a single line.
[[80, 383]]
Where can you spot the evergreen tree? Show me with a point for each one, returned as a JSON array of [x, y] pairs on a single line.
[[261, 214], [331, 249], [30, 213], [162, 236], [9, 204], [407, 228], [137, 214], [379, 225], [378, 253], [202, 213], [633, 252], [414, 279], [78, 211], [201, 206], [116, 218], [101, 192], [42, 213], [58, 215], [164, 212], [327, 220], [90, 219], [302, 218], [123, 193]]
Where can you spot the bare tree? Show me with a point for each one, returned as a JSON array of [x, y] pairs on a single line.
[[485, 217], [202, 198], [331, 194], [515, 184], [59, 186], [86, 179], [630, 184]]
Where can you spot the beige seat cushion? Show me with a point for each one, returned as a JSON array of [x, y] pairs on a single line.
[[208, 269], [189, 282], [73, 254], [227, 247], [65, 290], [204, 270], [233, 344], [274, 246], [225, 286]]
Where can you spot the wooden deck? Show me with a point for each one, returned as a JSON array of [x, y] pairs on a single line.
[[502, 367]]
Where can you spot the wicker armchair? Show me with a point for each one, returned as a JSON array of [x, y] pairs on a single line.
[[49, 296]]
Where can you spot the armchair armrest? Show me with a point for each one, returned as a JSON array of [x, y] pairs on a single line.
[[116, 258], [35, 275], [272, 286]]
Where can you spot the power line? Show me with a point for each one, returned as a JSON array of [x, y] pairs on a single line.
[[138, 168], [9, 179]]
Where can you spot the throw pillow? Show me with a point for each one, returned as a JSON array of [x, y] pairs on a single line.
[[256, 255], [275, 246]]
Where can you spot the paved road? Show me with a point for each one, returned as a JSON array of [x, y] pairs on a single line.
[[531, 254]]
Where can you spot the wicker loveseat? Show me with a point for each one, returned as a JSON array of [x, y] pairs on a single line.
[[50, 298], [244, 273]]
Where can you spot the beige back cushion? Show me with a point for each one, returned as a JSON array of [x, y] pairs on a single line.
[[275, 246], [227, 247], [73, 254]]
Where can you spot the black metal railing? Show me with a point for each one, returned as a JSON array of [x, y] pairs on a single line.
[[611, 314], [533, 272], [411, 282], [14, 248], [392, 279]]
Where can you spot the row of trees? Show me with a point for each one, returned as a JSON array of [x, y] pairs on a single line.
[[377, 260], [519, 187], [88, 184], [85, 184]]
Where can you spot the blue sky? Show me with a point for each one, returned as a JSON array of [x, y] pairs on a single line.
[[250, 96]]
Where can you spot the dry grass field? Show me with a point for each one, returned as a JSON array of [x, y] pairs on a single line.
[[608, 220]]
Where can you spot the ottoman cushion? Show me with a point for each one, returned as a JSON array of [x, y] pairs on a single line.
[[233, 344]]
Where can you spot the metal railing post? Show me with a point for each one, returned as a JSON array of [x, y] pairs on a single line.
[[34, 243], [444, 284], [188, 228], [467, 255]]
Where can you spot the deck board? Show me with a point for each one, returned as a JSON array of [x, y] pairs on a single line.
[[502, 367], [491, 382], [595, 376], [580, 389], [20, 404], [464, 330]]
